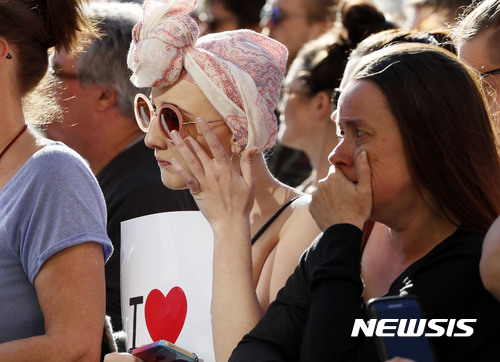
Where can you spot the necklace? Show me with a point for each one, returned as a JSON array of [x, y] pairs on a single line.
[[13, 140]]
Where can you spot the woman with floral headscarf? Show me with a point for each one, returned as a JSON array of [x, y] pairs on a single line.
[[210, 116]]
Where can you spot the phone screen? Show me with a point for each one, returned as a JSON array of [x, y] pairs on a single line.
[[416, 348], [164, 351]]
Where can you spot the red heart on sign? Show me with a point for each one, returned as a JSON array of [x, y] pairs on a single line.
[[165, 315]]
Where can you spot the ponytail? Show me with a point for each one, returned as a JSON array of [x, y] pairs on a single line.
[[32, 27]]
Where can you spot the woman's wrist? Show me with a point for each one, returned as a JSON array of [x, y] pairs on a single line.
[[232, 228]]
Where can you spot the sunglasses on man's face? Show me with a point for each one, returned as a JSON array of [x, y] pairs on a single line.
[[491, 72], [169, 117], [275, 15], [335, 98], [61, 74], [211, 24]]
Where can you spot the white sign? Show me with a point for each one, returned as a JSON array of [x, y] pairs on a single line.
[[166, 281]]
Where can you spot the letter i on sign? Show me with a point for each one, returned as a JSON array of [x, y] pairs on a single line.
[[134, 302]]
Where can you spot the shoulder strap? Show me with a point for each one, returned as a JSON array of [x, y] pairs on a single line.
[[270, 221]]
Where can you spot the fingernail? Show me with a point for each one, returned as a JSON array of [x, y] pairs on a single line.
[[175, 135]]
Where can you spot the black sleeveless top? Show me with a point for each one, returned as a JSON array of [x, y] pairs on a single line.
[[270, 221]]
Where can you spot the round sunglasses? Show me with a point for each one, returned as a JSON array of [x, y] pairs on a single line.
[[169, 116]]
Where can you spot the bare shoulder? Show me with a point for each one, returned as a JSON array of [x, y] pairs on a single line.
[[490, 259], [296, 234], [494, 230], [302, 202], [300, 224], [492, 240], [300, 211]]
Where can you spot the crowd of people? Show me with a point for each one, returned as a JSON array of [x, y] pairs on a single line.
[[339, 153]]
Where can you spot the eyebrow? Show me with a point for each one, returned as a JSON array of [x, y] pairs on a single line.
[[349, 122], [355, 123]]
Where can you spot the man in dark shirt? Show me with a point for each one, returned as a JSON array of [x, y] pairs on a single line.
[[96, 96]]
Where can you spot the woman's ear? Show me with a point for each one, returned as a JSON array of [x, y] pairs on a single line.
[[105, 97], [323, 105], [4, 50]]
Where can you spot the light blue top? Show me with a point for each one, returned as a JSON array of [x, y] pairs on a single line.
[[53, 202]]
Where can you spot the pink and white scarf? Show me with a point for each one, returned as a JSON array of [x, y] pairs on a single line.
[[240, 72]]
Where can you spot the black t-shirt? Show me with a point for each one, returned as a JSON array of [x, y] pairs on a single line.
[[132, 187], [313, 315]]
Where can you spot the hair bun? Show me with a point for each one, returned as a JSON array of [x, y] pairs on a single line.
[[362, 18], [42, 12]]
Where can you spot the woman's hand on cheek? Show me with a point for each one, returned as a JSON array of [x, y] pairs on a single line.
[[219, 190], [337, 200]]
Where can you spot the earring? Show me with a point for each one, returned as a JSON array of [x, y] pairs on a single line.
[[9, 56]]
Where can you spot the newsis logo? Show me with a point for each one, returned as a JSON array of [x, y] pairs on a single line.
[[413, 327]]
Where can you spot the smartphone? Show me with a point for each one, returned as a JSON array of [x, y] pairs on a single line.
[[417, 348], [164, 351]]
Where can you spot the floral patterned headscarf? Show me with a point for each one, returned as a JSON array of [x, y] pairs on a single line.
[[240, 72]]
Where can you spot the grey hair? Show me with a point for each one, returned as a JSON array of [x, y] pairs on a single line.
[[105, 61]]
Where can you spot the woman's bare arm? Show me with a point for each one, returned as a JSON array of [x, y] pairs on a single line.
[[71, 292], [490, 259]]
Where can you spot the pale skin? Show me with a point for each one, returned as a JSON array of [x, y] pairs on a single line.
[[70, 285], [237, 194]]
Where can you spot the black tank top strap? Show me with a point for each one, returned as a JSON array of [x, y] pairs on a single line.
[[270, 221]]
